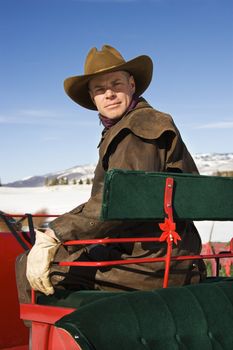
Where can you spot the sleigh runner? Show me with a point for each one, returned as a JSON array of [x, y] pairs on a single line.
[[194, 317]]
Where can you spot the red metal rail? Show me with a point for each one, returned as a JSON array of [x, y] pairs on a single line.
[[166, 259], [43, 317]]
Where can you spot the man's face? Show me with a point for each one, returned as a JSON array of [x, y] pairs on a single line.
[[112, 93]]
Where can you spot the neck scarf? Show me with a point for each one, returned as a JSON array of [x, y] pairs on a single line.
[[108, 122]]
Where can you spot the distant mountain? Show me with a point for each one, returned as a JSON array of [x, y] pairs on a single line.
[[77, 172], [210, 163], [207, 163]]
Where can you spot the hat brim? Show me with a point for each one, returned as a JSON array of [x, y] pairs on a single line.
[[140, 67]]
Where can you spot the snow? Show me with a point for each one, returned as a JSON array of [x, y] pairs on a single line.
[[222, 231], [56, 199], [60, 199]]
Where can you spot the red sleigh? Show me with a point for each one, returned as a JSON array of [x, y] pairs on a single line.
[[194, 317]]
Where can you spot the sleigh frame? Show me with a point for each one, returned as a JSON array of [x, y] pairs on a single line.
[[84, 319]]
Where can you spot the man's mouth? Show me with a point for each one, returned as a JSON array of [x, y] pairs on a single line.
[[113, 105]]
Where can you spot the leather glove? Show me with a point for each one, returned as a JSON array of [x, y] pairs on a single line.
[[39, 260]]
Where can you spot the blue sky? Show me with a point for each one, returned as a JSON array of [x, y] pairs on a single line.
[[43, 42]]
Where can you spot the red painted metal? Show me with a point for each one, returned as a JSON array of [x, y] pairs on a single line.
[[13, 333], [111, 240], [168, 192], [168, 227], [20, 347], [167, 263], [110, 263], [48, 337], [61, 340], [144, 260], [231, 245], [45, 335], [40, 336], [43, 313], [33, 297]]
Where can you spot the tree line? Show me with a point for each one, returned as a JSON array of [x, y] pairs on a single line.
[[55, 181], [228, 173]]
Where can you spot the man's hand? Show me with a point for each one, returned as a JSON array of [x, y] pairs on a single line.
[[39, 260]]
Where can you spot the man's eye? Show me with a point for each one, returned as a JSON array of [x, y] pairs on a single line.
[[99, 91]]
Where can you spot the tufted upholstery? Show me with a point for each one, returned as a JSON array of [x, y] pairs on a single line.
[[195, 317]]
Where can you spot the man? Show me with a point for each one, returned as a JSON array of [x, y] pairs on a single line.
[[135, 137]]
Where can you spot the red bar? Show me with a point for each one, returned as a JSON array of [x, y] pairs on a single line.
[[198, 257], [142, 260], [111, 240], [167, 264]]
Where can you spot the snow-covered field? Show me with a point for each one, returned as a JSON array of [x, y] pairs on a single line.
[[60, 199], [56, 199]]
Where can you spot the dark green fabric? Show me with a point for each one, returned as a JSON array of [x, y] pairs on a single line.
[[195, 317], [139, 195], [74, 299], [78, 298]]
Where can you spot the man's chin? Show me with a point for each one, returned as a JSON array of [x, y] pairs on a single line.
[[113, 114]]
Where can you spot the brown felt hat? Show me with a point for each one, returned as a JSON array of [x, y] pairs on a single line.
[[104, 61]]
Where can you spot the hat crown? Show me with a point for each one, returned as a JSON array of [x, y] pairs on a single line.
[[106, 58]]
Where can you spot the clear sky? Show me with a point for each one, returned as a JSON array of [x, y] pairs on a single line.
[[42, 42]]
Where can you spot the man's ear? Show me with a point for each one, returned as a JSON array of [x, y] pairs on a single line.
[[132, 83], [92, 97]]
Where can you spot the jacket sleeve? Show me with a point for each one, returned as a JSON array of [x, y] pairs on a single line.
[[83, 222]]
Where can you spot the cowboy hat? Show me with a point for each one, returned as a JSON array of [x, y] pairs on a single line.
[[105, 61]]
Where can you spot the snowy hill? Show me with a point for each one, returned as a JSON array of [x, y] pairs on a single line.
[[207, 163], [210, 163], [60, 199], [76, 173]]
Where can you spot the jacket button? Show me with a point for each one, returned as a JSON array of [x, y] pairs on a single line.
[[92, 223]]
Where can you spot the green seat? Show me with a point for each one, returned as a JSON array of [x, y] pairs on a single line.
[[139, 195], [79, 298], [193, 317]]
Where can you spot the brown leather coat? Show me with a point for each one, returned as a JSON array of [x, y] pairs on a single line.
[[144, 139]]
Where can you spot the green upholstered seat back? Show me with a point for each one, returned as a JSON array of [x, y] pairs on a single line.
[[139, 195], [194, 317]]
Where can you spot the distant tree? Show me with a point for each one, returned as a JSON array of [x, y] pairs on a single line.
[[74, 182], [88, 181], [0, 182], [63, 181], [80, 182], [54, 181], [46, 181]]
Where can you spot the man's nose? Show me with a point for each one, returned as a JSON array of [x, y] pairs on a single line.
[[109, 92]]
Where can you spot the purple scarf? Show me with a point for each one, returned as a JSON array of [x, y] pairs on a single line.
[[108, 122]]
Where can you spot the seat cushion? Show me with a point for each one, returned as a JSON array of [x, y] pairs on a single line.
[[193, 317], [74, 299]]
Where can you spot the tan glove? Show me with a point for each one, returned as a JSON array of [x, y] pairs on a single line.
[[39, 260]]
